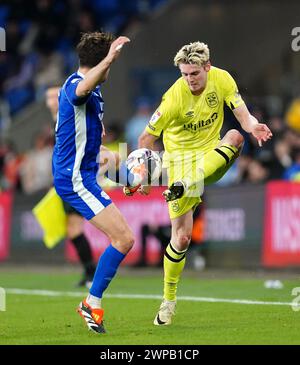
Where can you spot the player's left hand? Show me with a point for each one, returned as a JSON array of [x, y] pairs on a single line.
[[261, 132]]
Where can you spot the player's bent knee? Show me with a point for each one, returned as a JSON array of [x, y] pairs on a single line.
[[124, 242], [234, 137], [183, 241]]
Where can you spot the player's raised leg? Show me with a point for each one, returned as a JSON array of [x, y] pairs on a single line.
[[113, 224], [174, 261], [213, 166], [233, 137], [218, 161]]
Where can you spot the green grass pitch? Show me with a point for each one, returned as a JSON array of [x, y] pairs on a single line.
[[48, 319]]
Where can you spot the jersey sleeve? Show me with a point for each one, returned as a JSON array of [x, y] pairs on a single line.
[[70, 89], [163, 115], [232, 96]]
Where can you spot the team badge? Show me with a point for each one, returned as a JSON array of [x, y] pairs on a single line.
[[212, 99], [175, 206]]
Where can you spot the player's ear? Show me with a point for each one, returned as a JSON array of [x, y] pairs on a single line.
[[207, 66]]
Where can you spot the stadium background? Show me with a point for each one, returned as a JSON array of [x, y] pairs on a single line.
[[250, 219]]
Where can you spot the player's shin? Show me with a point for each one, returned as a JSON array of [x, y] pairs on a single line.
[[106, 269], [174, 262]]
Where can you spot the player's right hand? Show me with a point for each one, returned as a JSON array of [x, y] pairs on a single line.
[[129, 191]]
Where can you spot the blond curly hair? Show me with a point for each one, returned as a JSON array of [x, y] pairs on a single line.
[[196, 53]]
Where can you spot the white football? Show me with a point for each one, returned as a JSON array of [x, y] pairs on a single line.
[[145, 166]]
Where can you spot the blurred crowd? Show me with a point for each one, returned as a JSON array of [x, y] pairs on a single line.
[[277, 159], [40, 40]]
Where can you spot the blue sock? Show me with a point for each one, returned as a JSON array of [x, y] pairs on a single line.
[[106, 269]]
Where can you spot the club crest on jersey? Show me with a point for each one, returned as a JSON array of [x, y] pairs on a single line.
[[212, 99], [175, 206]]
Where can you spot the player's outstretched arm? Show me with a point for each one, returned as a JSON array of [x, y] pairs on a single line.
[[98, 74], [251, 125]]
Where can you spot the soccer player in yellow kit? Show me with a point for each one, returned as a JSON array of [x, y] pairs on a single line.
[[190, 117]]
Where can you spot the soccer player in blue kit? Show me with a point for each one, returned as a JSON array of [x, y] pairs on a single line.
[[78, 139]]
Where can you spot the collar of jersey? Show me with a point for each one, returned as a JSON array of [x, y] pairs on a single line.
[[80, 74]]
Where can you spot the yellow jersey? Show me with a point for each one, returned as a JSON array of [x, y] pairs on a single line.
[[193, 122]]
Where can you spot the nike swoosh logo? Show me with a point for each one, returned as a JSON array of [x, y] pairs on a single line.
[[159, 321]]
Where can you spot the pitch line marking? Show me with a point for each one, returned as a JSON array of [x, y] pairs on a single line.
[[52, 293]]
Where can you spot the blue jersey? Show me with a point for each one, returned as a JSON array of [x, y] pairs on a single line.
[[78, 130], [78, 138]]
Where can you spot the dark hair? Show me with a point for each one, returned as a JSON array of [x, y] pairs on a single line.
[[93, 47]]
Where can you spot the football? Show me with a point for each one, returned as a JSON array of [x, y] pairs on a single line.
[[145, 166]]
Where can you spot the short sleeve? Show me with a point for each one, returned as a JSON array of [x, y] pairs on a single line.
[[232, 96], [70, 89], [163, 115]]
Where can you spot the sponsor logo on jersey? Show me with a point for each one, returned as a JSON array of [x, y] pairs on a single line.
[[194, 127], [212, 99], [190, 113]]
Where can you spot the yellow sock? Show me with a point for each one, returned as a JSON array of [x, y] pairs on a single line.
[[217, 159], [173, 265]]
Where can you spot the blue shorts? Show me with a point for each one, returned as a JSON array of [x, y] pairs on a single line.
[[82, 193]]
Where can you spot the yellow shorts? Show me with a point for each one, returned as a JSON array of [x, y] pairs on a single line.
[[184, 170], [190, 172]]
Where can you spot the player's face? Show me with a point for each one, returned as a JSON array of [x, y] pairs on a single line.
[[195, 76], [52, 99]]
